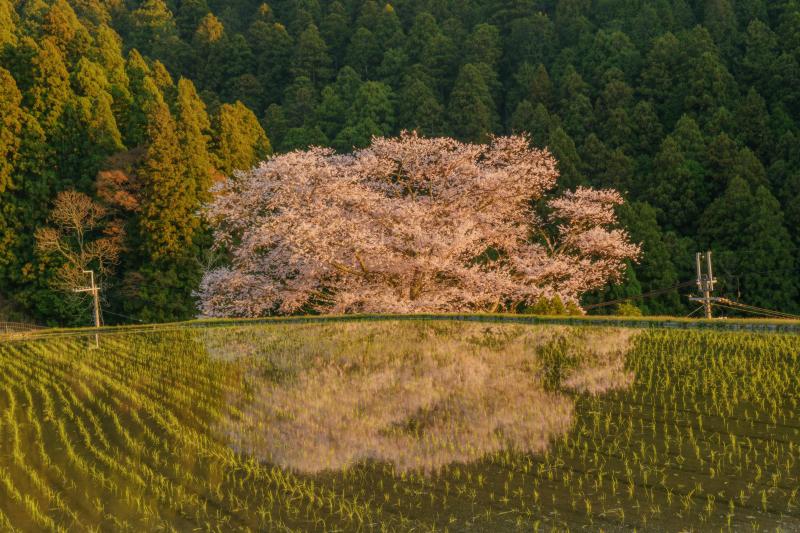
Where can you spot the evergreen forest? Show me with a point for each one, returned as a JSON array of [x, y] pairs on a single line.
[[690, 108]]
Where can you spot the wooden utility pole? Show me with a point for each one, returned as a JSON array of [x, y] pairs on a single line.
[[95, 290], [705, 282]]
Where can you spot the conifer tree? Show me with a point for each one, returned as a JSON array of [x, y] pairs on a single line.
[[374, 101], [107, 52], [656, 268], [709, 85], [169, 225], [681, 190], [752, 122], [745, 228], [660, 78], [389, 29], [505, 12], [519, 90], [275, 125], [11, 117], [239, 140], [610, 50], [647, 130], [311, 57], [300, 101], [534, 120], [272, 47], [577, 110], [50, 89], [571, 19], [569, 161], [188, 17], [541, 87], [363, 52], [483, 46], [144, 93], [419, 110], [533, 39], [422, 31], [335, 28], [720, 19], [8, 23], [61, 23], [471, 110], [304, 137], [89, 132], [193, 130], [168, 218], [209, 30], [331, 112], [440, 59], [35, 183], [761, 53], [153, 27], [371, 114]]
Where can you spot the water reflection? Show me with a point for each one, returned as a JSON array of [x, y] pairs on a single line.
[[414, 394]]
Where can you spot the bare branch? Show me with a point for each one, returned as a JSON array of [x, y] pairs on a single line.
[[77, 218]]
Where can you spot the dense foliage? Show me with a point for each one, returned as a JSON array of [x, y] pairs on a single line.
[[689, 107], [409, 225], [82, 116]]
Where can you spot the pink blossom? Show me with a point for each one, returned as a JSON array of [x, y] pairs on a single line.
[[409, 225]]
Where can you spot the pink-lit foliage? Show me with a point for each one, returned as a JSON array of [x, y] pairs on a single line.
[[409, 225]]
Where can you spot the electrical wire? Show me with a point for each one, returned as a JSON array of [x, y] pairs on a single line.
[[755, 310], [759, 313], [124, 316], [644, 295], [693, 312]]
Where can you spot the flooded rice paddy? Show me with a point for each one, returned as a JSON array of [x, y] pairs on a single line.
[[401, 426]]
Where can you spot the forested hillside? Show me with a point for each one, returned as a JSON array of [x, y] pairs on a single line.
[[691, 108]]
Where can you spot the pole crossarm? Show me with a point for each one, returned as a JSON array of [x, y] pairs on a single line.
[[95, 290], [705, 281]]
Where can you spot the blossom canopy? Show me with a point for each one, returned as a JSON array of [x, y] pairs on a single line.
[[409, 224]]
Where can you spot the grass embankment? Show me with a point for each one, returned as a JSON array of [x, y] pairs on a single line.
[[747, 324]]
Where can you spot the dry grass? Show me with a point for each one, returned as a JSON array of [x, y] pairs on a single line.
[[602, 365], [416, 395]]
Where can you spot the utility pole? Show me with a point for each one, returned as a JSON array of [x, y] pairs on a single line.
[[705, 281], [95, 290]]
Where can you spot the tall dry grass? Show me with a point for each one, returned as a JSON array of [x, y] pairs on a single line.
[[416, 395]]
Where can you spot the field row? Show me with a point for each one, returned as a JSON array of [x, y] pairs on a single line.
[[309, 427]]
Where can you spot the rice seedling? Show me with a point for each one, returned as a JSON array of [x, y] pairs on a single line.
[[395, 426]]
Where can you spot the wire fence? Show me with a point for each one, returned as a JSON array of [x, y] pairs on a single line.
[[16, 327], [11, 330]]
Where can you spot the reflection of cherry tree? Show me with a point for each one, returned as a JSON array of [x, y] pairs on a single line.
[[601, 368], [409, 224], [415, 395]]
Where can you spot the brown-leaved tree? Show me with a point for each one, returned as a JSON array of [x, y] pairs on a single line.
[[80, 239]]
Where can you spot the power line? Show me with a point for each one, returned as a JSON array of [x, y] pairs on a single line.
[[693, 312], [123, 316], [753, 312], [644, 295], [724, 302]]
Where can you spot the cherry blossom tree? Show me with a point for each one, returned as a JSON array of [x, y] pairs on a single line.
[[409, 225]]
